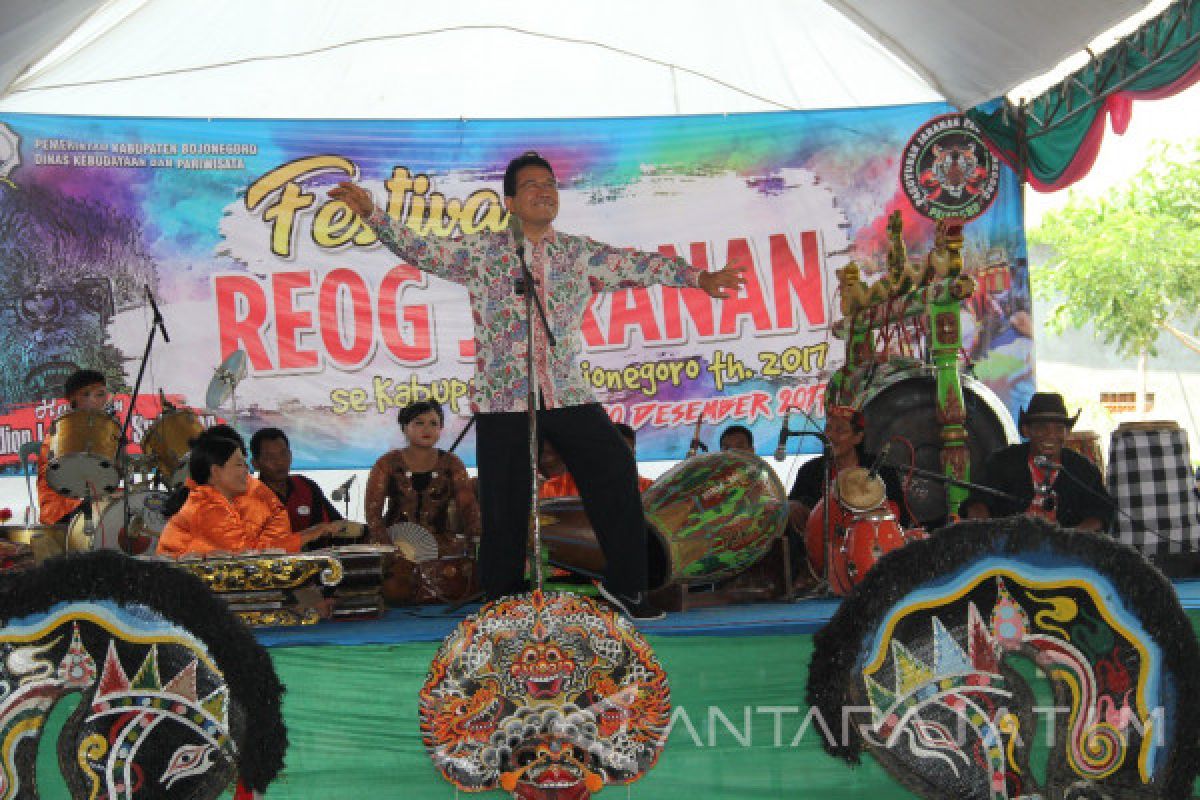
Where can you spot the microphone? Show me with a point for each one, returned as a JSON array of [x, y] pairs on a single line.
[[1041, 462], [340, 493], [518, 234], [784, 434], [873, 472]]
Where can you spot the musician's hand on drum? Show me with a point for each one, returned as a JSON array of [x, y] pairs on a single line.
[[718, 284], [357, 198]]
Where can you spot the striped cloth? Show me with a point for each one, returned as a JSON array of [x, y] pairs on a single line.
[[1150, 475]]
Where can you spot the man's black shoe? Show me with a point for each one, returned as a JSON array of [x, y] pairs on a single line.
[[637, 607]]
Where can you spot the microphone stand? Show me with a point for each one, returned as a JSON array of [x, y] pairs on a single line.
[[462, 435], [525, 285], [937, 476], [156, 325], [823, 585]]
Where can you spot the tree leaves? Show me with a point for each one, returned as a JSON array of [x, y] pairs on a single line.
[[1128, 262]]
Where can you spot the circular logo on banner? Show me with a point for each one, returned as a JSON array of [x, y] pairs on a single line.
[[10, 152], [948, 171]]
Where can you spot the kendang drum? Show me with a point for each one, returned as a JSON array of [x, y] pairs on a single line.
[[146, 522], [571, 543], [718, 514], [82, 458], [166, 443]]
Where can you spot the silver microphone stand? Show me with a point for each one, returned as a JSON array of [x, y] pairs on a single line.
[[524, 284]]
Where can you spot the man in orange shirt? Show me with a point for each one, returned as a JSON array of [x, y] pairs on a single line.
[[563, 485], [85, 390]]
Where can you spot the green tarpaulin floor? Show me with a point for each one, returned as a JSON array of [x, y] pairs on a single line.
[[739, 726]]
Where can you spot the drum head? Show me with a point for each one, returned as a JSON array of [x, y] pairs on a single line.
[[718, 513], [858, 490], [82, 474], [83, 458]]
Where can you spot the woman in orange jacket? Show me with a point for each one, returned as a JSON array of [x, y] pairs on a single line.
[[215, 516]]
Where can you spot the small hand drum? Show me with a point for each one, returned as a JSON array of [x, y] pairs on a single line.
[[858, 490]]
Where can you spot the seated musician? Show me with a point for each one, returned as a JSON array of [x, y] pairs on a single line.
[[218, 515], [1045, 478], [258, 502], [845, 428], [85, 390], [737, 437], [307, 507], [418, 483], [561, 484]]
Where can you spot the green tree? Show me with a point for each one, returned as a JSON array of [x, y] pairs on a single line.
[[1128, 262]]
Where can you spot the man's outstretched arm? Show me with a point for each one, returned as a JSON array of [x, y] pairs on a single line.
[[450, 259]]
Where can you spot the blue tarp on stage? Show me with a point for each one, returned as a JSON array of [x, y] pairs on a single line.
[[429, 624]]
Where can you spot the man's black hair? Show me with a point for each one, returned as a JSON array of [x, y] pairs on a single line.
[[732, 429], [526, 159], [81, 379], [267, 435]]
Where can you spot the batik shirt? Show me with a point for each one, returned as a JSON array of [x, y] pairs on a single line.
[[569, 269]]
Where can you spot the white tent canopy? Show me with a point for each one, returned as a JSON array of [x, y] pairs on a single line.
[[529, 58]]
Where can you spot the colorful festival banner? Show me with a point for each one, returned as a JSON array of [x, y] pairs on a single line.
[[229, 223]]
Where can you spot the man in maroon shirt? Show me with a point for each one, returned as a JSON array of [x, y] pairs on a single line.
[[307, 507]]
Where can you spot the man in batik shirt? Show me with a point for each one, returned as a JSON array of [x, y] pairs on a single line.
[[567, 269]]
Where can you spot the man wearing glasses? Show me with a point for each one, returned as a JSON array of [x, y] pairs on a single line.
[[1048, 479], [567, 269]]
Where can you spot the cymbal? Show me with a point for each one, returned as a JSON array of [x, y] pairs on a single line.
[[225, 379]]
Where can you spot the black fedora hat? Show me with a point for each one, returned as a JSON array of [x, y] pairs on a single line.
[[1047, 407]]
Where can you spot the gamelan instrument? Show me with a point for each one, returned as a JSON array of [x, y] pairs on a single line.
[[82, 460], [863, 528], [711, 517], [297, 588]]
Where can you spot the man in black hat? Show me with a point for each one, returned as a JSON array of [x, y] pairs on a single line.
[[1044, 478]]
